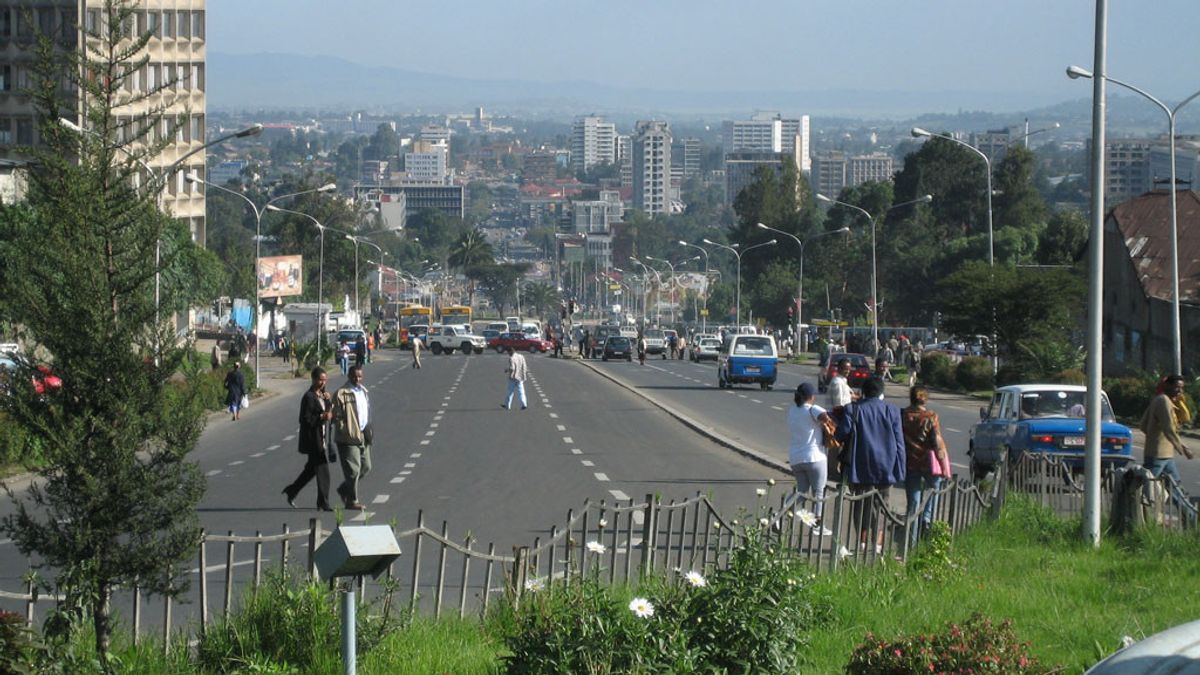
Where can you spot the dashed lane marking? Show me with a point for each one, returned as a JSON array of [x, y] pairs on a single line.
[[258, 454], [410, 465], [213, 473], [424, 442], [430, 433], [380, 499], [561, 427], [756, 400], [576, 451], [415, 455], [236, 462], [289, 437], [568, 439], [775, 407], [603, 478], [553, 416], [276, 446], [433, 425], [398, 479], [957, 431], [586, 462], [618, 495], [404, 473]]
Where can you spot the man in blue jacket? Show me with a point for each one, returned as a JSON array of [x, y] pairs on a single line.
[[872, 430]]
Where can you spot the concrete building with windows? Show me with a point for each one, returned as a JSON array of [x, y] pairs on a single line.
[[593, 142], [1127, 168], [994, 142], [428, 161], [176, 56], [834, 171], [769, 132], [652, 167], [625, 159], [740, 168]]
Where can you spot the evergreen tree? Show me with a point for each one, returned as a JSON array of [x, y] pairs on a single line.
[[116, 501]]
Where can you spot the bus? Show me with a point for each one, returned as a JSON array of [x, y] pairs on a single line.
[[456, 315], [413, 315]]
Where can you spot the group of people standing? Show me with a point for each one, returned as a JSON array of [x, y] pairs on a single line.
[[879, 446], [343, 418]]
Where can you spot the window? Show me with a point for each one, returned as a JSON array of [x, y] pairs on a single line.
[[91, 21], [198, 76], [198, 128], [198, 25], [24, 23], [6, 136], [152, 77], [5, 22], [168, 23], [153, 24], [5, 77], [24, 131], [185, 24]]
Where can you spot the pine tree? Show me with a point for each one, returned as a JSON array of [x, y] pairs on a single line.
[[116, 501]]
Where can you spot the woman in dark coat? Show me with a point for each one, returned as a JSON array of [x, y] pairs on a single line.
[[316, 410], [235, 386]]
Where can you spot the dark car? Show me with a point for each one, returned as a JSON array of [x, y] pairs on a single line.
[[618, 347], [860, 371], [520, 342]]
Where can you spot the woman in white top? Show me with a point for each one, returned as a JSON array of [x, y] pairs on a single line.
[[806, 452]]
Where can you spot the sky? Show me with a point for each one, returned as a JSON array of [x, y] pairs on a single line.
[[1020, 46]]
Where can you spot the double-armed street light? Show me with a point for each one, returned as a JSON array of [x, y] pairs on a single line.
[[1075, 72], [737, 312], [379, 281], [801, 339], [918, 132], [704, 315], [673, 280], [193, 178], [874, 277], [320, 329]]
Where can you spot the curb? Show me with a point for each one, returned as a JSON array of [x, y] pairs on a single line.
[[706, 431]]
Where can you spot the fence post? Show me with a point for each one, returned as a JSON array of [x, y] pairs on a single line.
[[203, 585], [229, 574], [137, 612], [520, 554], [648, 529], [838, 507], [416, 561], [166, 625], [30, 603], [314, 542]]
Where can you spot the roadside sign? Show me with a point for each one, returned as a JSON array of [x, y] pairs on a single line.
[[826, 322], [704, 312]]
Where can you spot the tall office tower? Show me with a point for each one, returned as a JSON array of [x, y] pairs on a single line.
[[796, 141], [877, 166], [689, 156], [1128, 167], [625, 159], [994, 142], [652, 167], [770, 132], [175, 53], [593, 141]]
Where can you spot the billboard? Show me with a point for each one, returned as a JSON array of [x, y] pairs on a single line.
[[280, 275]]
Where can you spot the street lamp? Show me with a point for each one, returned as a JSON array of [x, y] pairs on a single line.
[[737, 312], [1075, 72], [160, 179], [191, 177], [918, 132], [704, 319], [874, 277], [379, 281], [657, 293], [799, 339], [320, 329], [1025, 136]]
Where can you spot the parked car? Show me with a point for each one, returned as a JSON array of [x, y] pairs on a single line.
[[748, 359], [705, 349], [43, 378], [618, 347], [490, 334], [1043, 418], [860, 371], [520, 342], [656, 342]]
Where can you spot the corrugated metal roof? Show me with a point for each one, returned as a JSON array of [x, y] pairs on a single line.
[[1145, 224]]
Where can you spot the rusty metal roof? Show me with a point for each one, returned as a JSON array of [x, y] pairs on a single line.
[[1145, 224]]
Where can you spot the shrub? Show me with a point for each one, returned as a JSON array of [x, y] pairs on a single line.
[[19, 647], [973, 373], [1130, 395], [1071, 376], [977, 646], [1014, 372], [937, 370]]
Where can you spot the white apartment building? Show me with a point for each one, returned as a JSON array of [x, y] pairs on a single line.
[[834, 171], [1127, 167], [593, 142], [770, 132], [625, 159], [428, 161], [652, 167], [176, 53]]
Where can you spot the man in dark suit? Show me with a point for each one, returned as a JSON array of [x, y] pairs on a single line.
[[873, 429], [316, 410]]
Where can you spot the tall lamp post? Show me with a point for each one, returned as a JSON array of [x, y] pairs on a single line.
[[1075, 72], [160, 179], [258, 215], [918, 132], [379, 272], [657, 294], [704, 316], [875, 277], [672, 279], [319, 328], [737, 312], [801, 339]]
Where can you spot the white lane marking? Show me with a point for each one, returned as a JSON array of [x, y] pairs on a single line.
[[547, 405], [618, 495], [957, 431], [404, 473], [445, 405], [602, 478], [430, 433], [415, 455], [362, 516], [273, 447], [586, 462], [961, 466], [410, 465], [553, 416], [742, 396], [398, 479], [213, 472], [424, 442], [380, 499], [5, 541], [775, 407], [445, 398], [568, 439], [576, 451], [289, 437], [756, 400], [236, 462], [258, 454], [561, 427], [433, 425]]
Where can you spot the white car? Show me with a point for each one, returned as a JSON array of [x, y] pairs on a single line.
[[705, 348]]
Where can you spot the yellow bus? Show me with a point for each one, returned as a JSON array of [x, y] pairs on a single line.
[[413, 315], [456, 315]]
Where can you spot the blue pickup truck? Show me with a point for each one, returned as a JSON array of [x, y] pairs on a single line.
[[747, 359]]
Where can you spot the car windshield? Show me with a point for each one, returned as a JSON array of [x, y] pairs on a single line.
[[759, 346], [653, 334], [710, 342], [618, 342], [1059, 403], [856, 360]]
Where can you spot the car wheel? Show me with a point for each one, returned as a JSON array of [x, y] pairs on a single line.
[[466, 348], [478, 350], [499, 349], [533, 349], [436, 348]]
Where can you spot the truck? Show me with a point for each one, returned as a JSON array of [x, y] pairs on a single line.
[[446, 339]]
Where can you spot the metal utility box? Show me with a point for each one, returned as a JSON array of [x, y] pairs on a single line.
[[353, 551]]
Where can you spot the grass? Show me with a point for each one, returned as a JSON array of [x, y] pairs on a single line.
[[1072, 603], [428, 646]]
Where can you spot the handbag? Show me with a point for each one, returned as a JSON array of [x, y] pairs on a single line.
[[245, 402], [828, 432]]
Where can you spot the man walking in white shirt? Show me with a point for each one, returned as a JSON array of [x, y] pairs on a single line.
[[839, 387], [516, 379]]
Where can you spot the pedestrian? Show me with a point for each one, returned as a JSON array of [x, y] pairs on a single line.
[[806, 452], [417, 346], [557, 344], [516, 372], [839, 387], [1161, 423], [674, 342], [889, 355], [641, 348], [235, 390], [912, 361], [883, 369], [378, 337], [682, 346], [584, 342], [291, 349], [353, 436], [360, 351], [872, 429], [285, 349], [215, 358], [316, 410], [344, 356], [235, 350], [927, 464]]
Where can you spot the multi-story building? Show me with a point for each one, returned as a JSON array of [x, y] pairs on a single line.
[[994, 142], [593, 141], [1127, 168], [435, 134], [796, 141], [428, 161], [876, 166], [770, 132], [834, 171], [652, 167], [829, 173], [175, 56], [445, 198], [691, 149], [599, 215], [625, 159], [741, 166], [1187, 163], [540, 167]]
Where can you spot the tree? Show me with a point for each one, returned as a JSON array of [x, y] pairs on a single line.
[[116, 501], [499, 282], [1018, 203], [471, 250], [1065, 238], [540, 296]]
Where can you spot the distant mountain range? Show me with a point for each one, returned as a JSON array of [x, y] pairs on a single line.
[[292, 81]]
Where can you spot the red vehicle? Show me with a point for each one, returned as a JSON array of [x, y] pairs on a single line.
[[45, 380], [520, 342], [860, 371]]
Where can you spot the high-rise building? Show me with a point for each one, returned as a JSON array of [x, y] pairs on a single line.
[[770, 132], [994, 143], [796, 141], [625, 159], [877, 166], [652, 167], [1127, 168], [593, 141], [428, 161], [741, 166], [834, 171], [175, 55], [1187, 163]]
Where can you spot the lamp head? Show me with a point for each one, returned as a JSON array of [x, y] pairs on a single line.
[[707, 241], [328, 187], [191, 177], [352, 238], [682, 243], [1075, 72], [272, 207], [1055, 125], [68, 124], [926, 199], [823, 198], [918, 132], [763, 227], [252, 130], [842, 230]]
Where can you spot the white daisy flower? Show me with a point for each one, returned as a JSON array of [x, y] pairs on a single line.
[[596, 547], [761, 492], [641, 607], [696, 579], [535, 584], [603, 523], [807, 517]]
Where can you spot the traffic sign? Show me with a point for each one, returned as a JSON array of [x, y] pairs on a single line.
[[704, 312]]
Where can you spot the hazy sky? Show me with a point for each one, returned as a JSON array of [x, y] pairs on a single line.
[[709, 45]]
